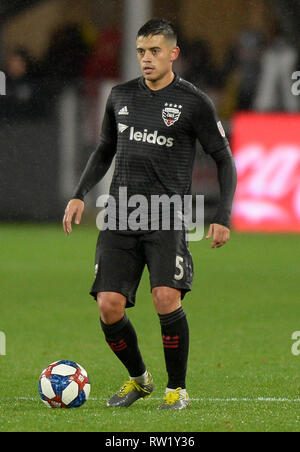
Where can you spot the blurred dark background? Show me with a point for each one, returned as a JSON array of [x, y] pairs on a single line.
[[61, 58]]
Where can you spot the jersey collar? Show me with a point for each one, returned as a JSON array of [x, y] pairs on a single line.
[[152, 92]]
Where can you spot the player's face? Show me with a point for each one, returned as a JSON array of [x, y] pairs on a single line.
[[156, 55]]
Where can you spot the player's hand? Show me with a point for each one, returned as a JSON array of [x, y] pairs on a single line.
[[74, 207], [219, 233]]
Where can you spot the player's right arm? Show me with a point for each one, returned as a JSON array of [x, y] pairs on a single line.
[[96, 168]]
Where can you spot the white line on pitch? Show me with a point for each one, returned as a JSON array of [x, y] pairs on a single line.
[[201, 399]]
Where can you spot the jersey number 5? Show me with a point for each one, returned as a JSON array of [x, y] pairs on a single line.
[[179, 268]]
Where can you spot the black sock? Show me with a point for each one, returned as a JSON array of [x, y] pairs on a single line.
[[175, 334], [122, 339]]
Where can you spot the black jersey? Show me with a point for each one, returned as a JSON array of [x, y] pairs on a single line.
[[153, 135]]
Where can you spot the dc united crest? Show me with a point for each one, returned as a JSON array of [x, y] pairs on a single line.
[[171, 113]]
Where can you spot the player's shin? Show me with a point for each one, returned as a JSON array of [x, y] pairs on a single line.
[[175, 336], [121, 338]]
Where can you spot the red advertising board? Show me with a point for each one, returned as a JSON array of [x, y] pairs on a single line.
[[266, 149]]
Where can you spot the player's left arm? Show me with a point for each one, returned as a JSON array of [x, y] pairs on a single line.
[[220, 226], [214, 142]]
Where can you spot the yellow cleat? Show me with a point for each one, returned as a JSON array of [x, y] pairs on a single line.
[[130, 392], [175, 400]]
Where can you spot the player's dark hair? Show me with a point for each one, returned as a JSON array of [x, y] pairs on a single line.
[[158, 26]]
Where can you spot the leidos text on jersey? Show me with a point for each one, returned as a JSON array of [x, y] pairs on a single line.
[[152, 137]]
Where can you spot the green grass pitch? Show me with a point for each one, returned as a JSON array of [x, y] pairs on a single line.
[[242, 312]]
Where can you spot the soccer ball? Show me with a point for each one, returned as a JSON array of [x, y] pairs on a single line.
[[64, 384]]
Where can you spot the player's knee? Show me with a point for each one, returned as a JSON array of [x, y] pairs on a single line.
[[111, 306], [166, 299]]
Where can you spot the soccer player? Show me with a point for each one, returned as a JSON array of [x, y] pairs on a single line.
[[151, 125]]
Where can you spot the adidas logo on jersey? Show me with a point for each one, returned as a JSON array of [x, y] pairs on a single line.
[[151, 138], [124, 111]]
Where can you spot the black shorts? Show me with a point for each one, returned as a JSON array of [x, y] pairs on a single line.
[[121, 259]]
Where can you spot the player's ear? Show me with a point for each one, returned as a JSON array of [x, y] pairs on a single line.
[[175, 53]]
